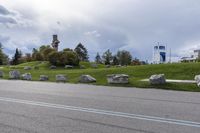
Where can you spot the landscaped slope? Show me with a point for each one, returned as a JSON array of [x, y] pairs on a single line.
[[185, 71]]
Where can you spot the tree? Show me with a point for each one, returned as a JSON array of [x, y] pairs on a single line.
[[63, 58], [28, 57], [82, 52], [124, 57], [68, 58], [17, 56], [107, 57], [115, 60], [39, 57], [98, 59], [53, 58], [3, 57], [34, 52], [45, 53]]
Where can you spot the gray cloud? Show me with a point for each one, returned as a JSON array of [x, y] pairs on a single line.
[[7, 20], [4, 11], [133, 25]]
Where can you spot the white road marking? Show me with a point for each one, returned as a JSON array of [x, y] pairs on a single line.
[[104, 112]]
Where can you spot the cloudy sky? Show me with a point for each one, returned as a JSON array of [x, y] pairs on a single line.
[[134, 25]]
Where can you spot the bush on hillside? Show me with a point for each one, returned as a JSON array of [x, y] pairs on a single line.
[[63, 58]]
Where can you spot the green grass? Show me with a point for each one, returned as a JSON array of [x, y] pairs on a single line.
[[185, 71]]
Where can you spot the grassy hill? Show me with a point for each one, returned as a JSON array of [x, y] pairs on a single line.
[[185, 71]]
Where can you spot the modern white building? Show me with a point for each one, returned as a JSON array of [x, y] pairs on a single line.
[[159, 54], [193, 57]]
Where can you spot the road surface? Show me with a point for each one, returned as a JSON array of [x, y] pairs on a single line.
[[37, 107]]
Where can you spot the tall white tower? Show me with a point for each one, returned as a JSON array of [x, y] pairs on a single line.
[[159, 54]]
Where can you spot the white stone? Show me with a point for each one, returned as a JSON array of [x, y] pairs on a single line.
[[117, 79], [44, 78], [87, 79], [157, 79], [15, 74], [61, 78], [52, 67], [27, 68], [1, 74], [26, 76], [197, 79], [69, 66]]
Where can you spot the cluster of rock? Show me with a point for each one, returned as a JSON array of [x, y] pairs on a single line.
[[157, 79], [112, 79]]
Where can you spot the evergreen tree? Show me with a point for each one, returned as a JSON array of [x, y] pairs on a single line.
[[18, 54], [81, 52], [98, 59], [107, 57], [115, 60]]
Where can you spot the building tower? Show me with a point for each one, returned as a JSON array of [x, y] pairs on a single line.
[[159, 54], [55, 42]]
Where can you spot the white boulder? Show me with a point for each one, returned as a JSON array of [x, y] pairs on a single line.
[[27, 68], [44, 78], [86, 79], [26, 76], [15, 74], [157, 79], [117, 79], [1, 74], [61, 78]]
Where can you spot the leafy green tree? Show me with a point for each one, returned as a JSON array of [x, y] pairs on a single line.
[[68, 49], [98, 59], [53, 58], [107, 57], [63, 58], [82, 52], [28, 57], [124, 57], [34, 52], [39, 57], [68, 58], [45, 53]]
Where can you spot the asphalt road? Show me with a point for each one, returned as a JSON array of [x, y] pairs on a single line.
[[36, 107]]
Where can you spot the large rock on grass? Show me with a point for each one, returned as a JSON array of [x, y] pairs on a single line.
[[26, 76], [118, 79], [157, 79], [53, 67], [1, 74], [197, 79], [61, 78], [15, 74], [86, 79], [44, 78], [69, 66], [27, 68]]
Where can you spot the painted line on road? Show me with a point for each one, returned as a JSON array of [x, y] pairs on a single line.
[[104, 112]]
